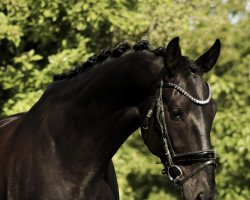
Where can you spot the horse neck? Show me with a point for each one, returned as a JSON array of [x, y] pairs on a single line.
[[103, 112]]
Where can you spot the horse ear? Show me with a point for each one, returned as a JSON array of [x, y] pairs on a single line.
[[172, 54], [207, 61]]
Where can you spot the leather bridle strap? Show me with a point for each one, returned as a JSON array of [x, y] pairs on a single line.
[[197, 156], [183, 179], [160, 116]]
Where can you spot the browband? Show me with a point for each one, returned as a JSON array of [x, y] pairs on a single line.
[[185, 93]]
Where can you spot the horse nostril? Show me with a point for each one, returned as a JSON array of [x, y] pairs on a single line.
[[202, 196], [199, 197]]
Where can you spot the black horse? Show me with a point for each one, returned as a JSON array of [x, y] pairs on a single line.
[[63, 146]]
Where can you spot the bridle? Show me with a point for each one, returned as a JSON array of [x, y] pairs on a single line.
[[171, 160]]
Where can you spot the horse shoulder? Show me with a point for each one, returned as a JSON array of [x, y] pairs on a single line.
[[7, 130]]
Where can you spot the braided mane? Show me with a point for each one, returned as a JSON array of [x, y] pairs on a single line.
[[116, 52]]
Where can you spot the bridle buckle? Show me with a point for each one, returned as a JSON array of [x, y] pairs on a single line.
[[174, 172]]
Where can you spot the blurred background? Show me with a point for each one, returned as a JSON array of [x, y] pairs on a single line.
[[40, 38]]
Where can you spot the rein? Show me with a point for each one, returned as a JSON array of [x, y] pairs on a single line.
[[171, 159]]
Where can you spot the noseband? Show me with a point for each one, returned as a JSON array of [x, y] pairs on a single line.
[[171, 160]]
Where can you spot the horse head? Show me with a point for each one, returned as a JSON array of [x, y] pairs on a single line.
[[178, 119]]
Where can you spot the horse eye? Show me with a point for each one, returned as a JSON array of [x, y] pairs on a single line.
[[176, 114], [193, 70]]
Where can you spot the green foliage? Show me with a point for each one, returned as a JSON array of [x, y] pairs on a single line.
[[39, 38], [144, 179]]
